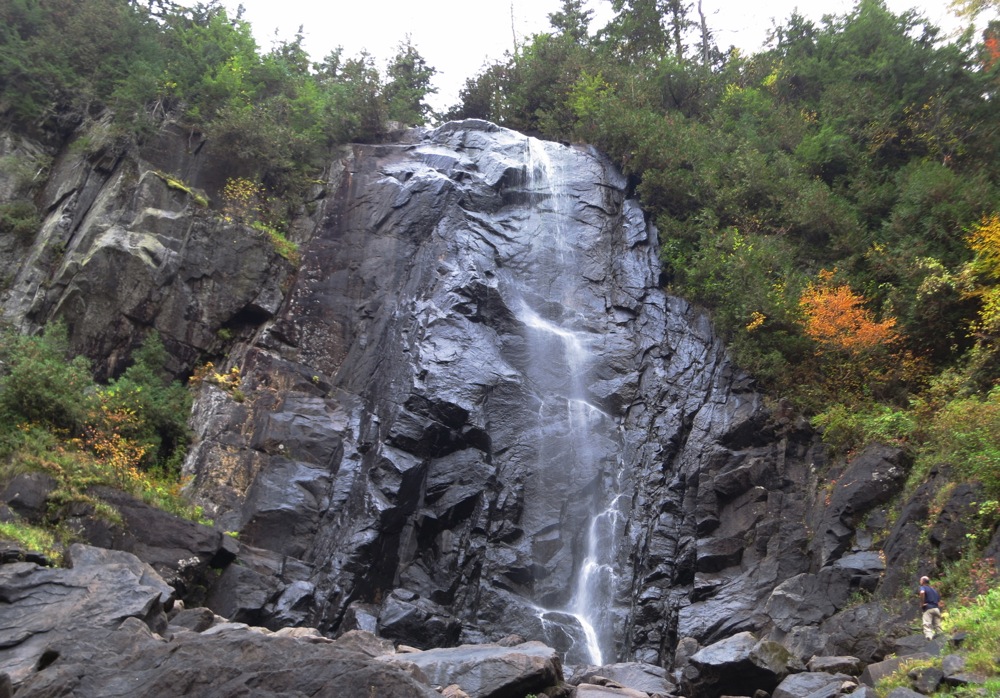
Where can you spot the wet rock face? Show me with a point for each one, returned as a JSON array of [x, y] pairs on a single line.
[[474, 386], [470, 413], [438, 406]]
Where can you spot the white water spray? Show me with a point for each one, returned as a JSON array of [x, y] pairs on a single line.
[[561, 358]]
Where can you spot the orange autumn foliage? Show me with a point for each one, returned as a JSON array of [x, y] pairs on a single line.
[[835, 318], [857, 357], [991, 46]]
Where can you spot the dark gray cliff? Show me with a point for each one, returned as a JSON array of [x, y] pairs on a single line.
[[410, 434], [470, 412]]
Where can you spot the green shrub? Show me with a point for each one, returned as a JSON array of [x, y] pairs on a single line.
[[965, 433], [42, 384], [848, 428], [158, 405], [282, 245], [19, 218], [131, 434], [981, 619]]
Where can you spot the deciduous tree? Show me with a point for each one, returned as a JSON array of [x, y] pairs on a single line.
[[835, 317]]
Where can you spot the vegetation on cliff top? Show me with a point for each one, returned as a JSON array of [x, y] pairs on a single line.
[[65, 65]]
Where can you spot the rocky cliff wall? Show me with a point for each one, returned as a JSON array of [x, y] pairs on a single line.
[[402, 442], [471, 411]]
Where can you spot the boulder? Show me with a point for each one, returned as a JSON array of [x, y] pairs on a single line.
[[863, 631], [737, 664], [100, 589], [865, 692], [952, 664], [832, 665], [640, 677], [807, 683], [488, 671], [877, 671], [365, 643], [194, 619], [587, 690], [916, 643], [903, 693], [453, 691], [809, 598], [27, 495], [926, 680], [242, 593], [420, 622], [866, 569], [805, 642], [132, 662], [186, 554], [835, 689]]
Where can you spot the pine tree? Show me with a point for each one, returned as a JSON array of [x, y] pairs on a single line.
[[409, 83], [572, 20]]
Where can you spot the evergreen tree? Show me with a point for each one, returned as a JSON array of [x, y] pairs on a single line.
[[572, 21], [409, 83], [636, 33]]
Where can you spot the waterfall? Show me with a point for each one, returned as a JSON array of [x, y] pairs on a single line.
[[560, 359]]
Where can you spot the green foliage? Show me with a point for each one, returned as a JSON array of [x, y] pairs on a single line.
[[965, 433], [282, 245], [850, 427], [981, 620], [19, 218], [65, 63], [409, 79], [934, 206], [246, 203], [60, 58], [637, 33], [743, 279], [32, 539], [131, 434], [571, 21], [42, 385], [159, 406]]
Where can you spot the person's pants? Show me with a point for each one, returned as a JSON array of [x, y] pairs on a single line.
[[932, 622]]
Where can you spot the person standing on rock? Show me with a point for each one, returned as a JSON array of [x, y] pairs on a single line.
[[930, 607]]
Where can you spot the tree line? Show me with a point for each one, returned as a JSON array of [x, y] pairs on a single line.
[[65, 63]]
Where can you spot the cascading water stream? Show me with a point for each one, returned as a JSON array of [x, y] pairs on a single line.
[[561, 359]]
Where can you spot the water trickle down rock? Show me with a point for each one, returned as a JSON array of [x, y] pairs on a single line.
[[421, 447]]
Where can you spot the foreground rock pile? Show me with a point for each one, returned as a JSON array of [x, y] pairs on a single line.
[[108, 625]]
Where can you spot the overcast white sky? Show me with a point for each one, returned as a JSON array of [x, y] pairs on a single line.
[[457, 36]]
